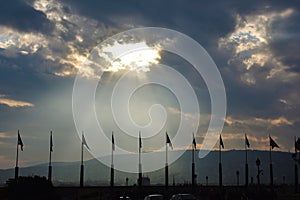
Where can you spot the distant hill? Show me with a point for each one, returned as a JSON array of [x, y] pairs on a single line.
[[97, 173]]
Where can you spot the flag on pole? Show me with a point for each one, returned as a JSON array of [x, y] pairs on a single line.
[[273, 144], [221, 142], [51, 142], [84, 141], [297, 144], [140, 140], [20, 141], [168, 141], [247, 141], [194, 142], [113, 141]]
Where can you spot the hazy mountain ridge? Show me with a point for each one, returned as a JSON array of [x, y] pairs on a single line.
[[97, 173]]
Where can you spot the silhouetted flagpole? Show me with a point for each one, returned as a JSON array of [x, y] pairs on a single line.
[[166, 167], [83, 142], [112, 174], [247, 145], [168, 141], [81, 166], [272, 145], [271, 168], [296, 167], [194, 146], [220, 161], [17, 168], [140, 161], [19, 142], [50, 162]]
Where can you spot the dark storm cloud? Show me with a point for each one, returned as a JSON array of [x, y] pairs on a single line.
[[286, 41], [261, 99], [19, 15], [195, 18], [18, 79]]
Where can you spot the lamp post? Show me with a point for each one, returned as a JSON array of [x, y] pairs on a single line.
[[237, 177], [127, 181], [296, 158], [258, 170]]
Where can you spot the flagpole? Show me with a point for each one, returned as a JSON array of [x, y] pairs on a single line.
[[246, 164], [193, 155], [166, 154], [193, 167], [17, 168], [270, 154], [81, 167], [112, 172], [271, 167], [17, 159], [220, 164], [193, 161], [140, 161], [50, 163], [246, 148], [166, 167], [220, 155], [296, 167]]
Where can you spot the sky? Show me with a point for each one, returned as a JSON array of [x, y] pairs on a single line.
[[44, 44]]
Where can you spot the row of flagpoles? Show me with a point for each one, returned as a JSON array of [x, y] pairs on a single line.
[[20, 143], [272, 144]]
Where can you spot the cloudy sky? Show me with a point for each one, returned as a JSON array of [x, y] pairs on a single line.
[[43, 44]]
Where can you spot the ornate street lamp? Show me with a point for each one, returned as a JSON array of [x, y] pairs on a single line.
[[258, 170]]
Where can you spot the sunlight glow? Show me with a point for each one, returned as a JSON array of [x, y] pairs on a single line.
[[140, 56]]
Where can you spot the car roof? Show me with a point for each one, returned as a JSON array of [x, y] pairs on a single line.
[[186, 195]]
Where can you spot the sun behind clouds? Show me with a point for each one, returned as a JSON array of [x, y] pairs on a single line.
[[139, 59]]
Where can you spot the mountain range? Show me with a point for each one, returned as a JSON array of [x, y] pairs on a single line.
[[96, 173]]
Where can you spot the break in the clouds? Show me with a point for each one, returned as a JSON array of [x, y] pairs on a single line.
[[250, 45], [63, 49], [260, 121], [43, 44]]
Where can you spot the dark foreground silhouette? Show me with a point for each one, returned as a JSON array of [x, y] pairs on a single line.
[[39, 188]]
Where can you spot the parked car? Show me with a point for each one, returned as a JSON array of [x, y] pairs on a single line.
[[154, 197], [183, 197]]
